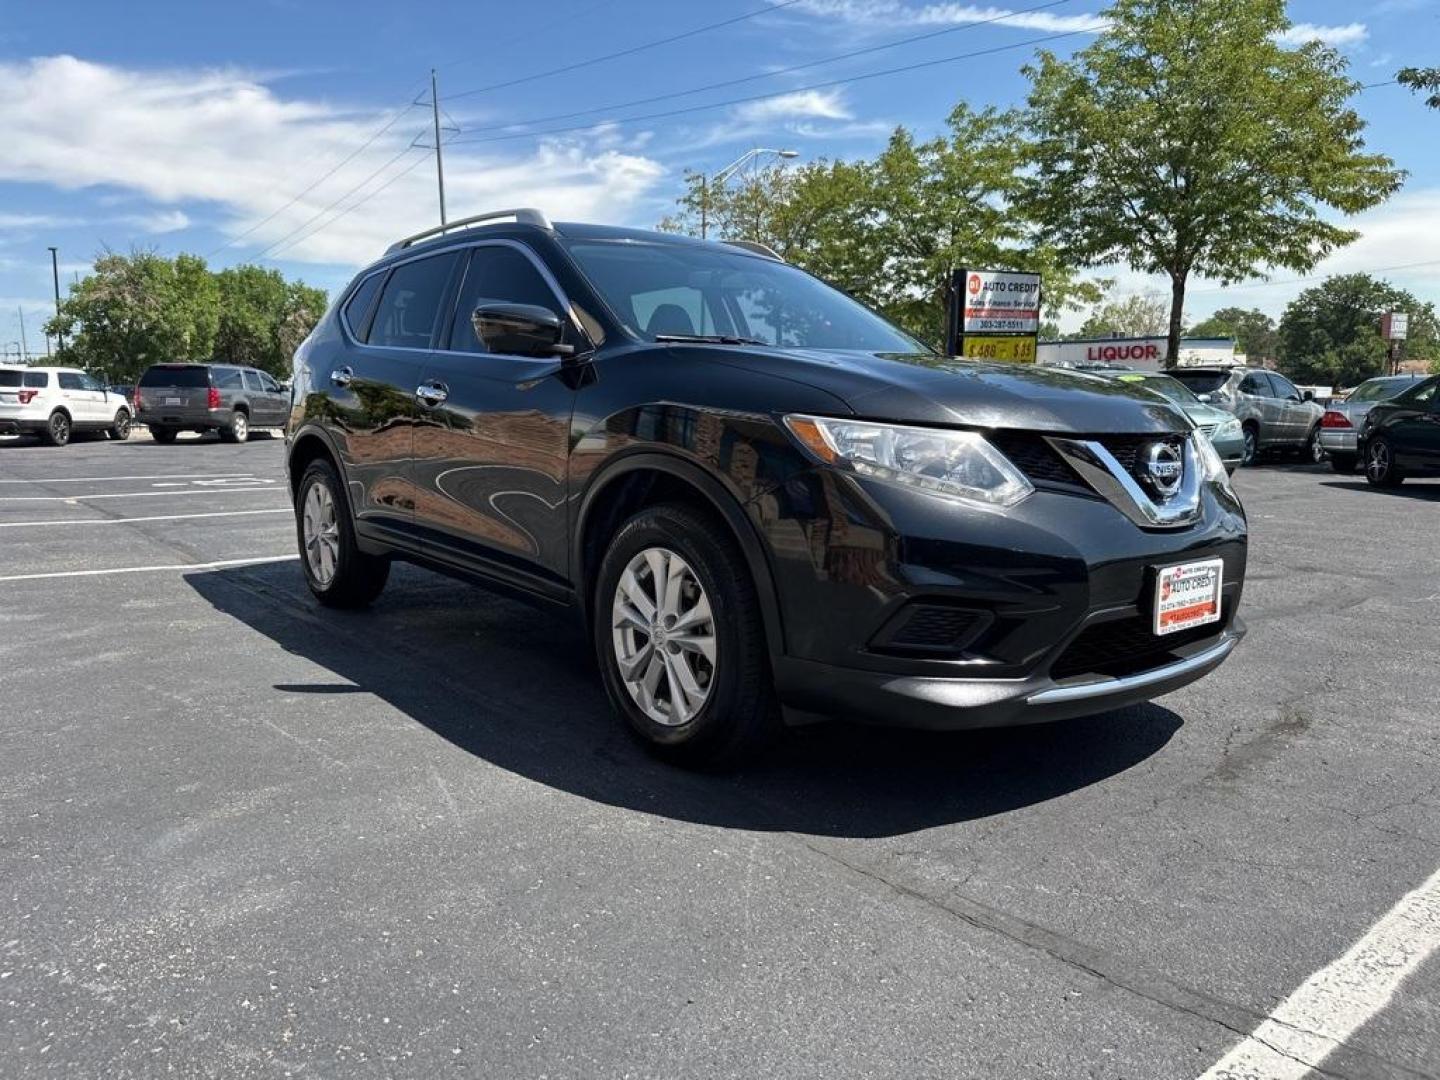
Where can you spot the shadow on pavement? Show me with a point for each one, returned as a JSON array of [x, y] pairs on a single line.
[[1425, 492], [514, 685]]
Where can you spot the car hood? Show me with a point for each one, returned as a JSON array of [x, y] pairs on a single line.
[[1205, 415], [928, 389]]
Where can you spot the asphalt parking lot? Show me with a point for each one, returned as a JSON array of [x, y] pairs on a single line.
[[244, 836]]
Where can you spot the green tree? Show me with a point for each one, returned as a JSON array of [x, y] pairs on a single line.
[[1331, 333], [1187, 139], [139, 309], [1253, 331], [263, 317], [1136, 315], [1422, 80]]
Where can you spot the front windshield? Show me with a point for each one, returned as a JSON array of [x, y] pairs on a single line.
[[667, 291], [1176, 391]]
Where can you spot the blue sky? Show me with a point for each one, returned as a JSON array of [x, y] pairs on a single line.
[[199, 127]]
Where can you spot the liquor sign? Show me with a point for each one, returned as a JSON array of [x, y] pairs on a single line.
[[1394, 326]]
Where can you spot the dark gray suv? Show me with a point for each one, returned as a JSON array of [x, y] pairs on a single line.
[[231, 400], [1273, 413]]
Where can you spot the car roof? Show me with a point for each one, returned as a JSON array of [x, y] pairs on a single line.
[[40, 367]]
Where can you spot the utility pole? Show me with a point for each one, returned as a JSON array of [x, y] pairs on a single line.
[[55, 272], [439, 160], [704, 205], [24, 343]]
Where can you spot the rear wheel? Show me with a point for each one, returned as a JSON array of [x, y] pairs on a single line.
[[1343, 463], [162, 434], [1252, 445], [57, 429], [337, 571], [680, 641], [120, 428], [237, 429], [1380, 467]]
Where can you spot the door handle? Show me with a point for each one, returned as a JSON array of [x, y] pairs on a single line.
[[342, 376], [432, 393]]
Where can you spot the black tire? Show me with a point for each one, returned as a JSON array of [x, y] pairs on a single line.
[[58, 429], [1252, 445], [120, 429], [1313, 451], [740, 714], [1344, 464], [1380, 467], [237, 428], [162, 434], [357, 578]]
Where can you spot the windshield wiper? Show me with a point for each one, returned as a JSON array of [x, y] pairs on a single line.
[[711, 339]]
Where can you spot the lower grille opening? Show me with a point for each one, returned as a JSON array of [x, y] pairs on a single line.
[[1128, 647], [931, 629]]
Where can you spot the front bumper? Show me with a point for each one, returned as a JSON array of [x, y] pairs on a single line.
[[1231, 450]]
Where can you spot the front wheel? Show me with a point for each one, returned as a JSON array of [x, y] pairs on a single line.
[[1380, 467], [120, 428], [680, 640], [57, 429], [337, 571], [1344, 464]]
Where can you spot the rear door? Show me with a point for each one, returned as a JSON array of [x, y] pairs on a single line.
[[393, 323]]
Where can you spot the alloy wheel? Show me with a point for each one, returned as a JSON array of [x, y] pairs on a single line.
[[663, 633], [122, 426], [1252, 446], [60, 428], [321, 534], [240, 427], [1377, 461]]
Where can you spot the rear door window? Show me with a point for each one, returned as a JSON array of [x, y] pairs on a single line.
[[189, 377], [1257, 385], [410, 303], [228, 378]]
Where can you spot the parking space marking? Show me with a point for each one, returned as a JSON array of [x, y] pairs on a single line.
[[136, 494], [223, 564], [158, 476], [134, 520], [1337, 1000]]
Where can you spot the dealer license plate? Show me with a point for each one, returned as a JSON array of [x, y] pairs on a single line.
[[1188, 595]]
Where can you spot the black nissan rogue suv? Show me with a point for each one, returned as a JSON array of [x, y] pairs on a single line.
[[765, 501]]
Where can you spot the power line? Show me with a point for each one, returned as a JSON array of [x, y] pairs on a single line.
[[320, 180], [767, 74], [1310, 277], [623, 52], [786, 93], [282, 241], [359, 202]]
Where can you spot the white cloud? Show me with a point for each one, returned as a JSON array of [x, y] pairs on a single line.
[[803, 104], [892, 13], [34, 221], [162, 221], [1334, 36], [223, 137]]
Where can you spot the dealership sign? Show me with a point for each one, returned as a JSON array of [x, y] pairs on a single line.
[[999, 302], [1394, 326]]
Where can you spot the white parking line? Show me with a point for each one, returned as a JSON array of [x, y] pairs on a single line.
[[134, 494], [192, 567], [133, 520], [1334, 1002], [160, 476]]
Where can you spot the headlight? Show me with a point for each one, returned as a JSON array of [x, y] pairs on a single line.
[[1211, 467], [1228, 429], [957, 463]]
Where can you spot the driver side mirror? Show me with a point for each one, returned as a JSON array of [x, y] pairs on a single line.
[[520, 330]]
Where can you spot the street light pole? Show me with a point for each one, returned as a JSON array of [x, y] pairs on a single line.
[[719, 178], [55, 273]]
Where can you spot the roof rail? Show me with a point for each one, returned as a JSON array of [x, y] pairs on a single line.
[[524, 216], [755, 248]]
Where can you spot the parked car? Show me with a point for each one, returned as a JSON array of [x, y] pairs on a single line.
[[225, 398], [1400, 438], [1221, 427], [57, 402], [1340, 424], [1273, 413], [762, 499]]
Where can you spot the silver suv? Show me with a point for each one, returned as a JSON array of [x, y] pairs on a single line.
[[1273, 413]]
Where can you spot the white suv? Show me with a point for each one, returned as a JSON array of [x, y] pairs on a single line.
[[56, 402]]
